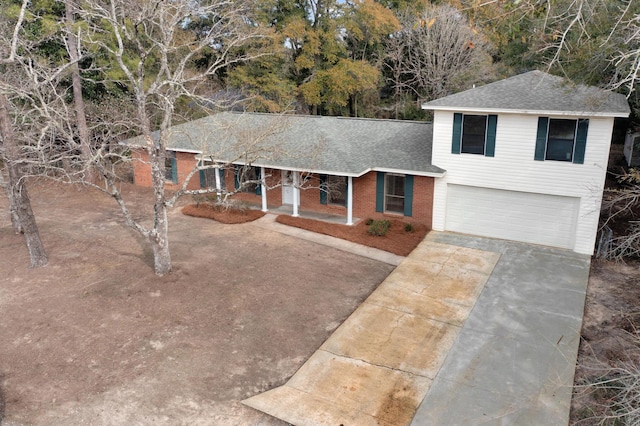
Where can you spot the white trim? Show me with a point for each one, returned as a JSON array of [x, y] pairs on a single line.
[[339, 173], [263, 189], [188, 151], [296, 194], [349, 200], [218, 182], [544, 113], [406, 172]]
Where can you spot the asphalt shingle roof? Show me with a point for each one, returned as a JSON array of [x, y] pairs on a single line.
[[536, 92], [333, 145]]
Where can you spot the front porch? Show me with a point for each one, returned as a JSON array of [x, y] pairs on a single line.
[[308, 214]]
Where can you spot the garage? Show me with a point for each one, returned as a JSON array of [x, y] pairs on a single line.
[[519, 216]]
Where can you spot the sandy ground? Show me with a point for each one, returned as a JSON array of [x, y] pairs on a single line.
[[96, 338], [610, 338], [611, 326]]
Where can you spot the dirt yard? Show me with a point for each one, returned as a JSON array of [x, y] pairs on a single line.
[[610, 340], [96, 338], [610, 343]]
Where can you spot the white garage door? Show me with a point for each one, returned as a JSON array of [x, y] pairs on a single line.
[[520, 216]]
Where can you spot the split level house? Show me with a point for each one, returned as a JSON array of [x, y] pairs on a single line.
[[521, 159]]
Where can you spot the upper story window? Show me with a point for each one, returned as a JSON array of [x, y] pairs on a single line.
[[474, 134], [561, 139]]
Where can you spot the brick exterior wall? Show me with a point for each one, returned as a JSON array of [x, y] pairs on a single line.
[[185, 162], [364, 190], [364, 194]]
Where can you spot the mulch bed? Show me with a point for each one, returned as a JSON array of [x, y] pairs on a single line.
[[397, 240], [228, 216]]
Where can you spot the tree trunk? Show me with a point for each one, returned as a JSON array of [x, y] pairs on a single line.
[[15, 221], [159, 236], [22, 204], [22, 216], [161, 254], [78, 100]]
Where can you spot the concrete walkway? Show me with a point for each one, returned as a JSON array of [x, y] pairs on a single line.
[[465, 331]]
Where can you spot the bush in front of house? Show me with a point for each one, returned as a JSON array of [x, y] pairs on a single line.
[[379, 227]]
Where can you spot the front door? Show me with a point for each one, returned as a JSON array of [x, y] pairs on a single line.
[[287, 187]]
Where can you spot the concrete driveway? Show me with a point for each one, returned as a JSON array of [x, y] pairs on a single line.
[[514, 360], [465, 331]]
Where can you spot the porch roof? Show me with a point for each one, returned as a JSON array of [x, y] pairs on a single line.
[[332, 145]]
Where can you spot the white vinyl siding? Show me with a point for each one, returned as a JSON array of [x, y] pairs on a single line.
[[531, 218], [514, 169]]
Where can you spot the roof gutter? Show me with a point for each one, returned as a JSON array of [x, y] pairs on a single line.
[[336, 172], [544, 113], [408, 172]]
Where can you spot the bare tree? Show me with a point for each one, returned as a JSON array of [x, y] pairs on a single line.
[[436, 53], [393, 62], [22, 217], [620, 205], [78, 101], [163, 53], [627, 58], [601, 36]]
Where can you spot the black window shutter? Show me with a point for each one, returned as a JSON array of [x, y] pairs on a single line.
[[236, 175], [408, 195], [581, 141], [258, 184], [541, 138], [203, 179], [492, 124], [174, 169], [346, 195], [223, 184], [456, 140], [380, 192], [323, 189]]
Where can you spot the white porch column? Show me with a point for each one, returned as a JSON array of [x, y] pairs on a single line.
[[218, 184], [296, 195], [264, 189], [349, 200]]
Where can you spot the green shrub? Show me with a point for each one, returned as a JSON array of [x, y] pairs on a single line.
[[408, 227], [369, 222], [379, 227]]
